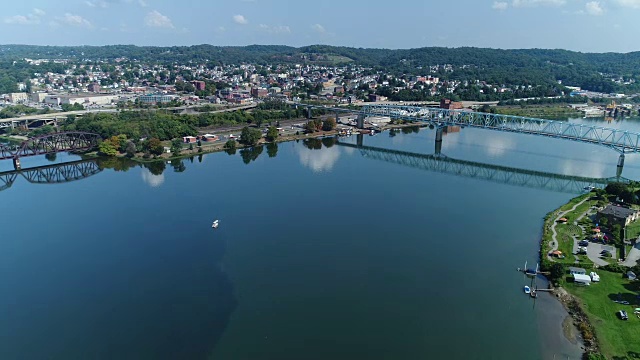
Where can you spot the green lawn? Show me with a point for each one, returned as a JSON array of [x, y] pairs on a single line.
[[633, 230], [617, 338]]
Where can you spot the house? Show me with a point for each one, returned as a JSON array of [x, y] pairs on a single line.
[[582, 279], [618, 214], [189, 139], [577, 271]]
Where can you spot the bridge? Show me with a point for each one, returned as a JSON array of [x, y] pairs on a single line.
[[51, 174], [494, 173], [622, 141], [49, 143]]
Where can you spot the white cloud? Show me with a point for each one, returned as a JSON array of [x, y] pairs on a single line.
[[220, 29], [280, 29], [142, 3], [102, 4], [156, 19], [29, 19], [318, 28], [635, 4], [594, 8], [532, 3], [75, 20], [239, 19], [499, 5]]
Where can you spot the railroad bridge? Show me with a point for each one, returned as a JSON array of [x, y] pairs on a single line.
[[48, 144]]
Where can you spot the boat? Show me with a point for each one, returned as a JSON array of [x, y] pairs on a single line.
[[215, 224], [530, 272], [533, 294], [527, 289]]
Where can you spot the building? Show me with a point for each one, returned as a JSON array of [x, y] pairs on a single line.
[[88, 99], [37, 97], [376, 98], [451, 105], [189, 139], [156, 98], [18, 97], [618, 214], [199, 85], [259, 92], [210, 137], [577, 271], [94, 87]]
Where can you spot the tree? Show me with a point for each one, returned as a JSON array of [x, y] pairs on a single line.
[[250, 136], [130, 149], [155, 146], [176, 146], [329, 124], [107, 148], [272, 134], [230, 144], [310, 127], [557, 271]]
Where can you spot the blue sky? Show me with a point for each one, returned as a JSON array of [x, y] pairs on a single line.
[[583, 25]]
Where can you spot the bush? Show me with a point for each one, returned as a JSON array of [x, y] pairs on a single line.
[[615, 268]]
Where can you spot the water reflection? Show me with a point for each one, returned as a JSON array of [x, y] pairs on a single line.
[[318, 161], [272, 149], [251, 154]]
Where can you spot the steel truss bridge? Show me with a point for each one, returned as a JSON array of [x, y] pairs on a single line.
[[488, 172], [50, 143], [621, 141], [52, 174]]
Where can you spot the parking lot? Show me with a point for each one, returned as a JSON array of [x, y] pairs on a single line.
[[594, 250]]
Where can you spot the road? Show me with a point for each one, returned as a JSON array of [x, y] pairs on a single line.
[[81, 112]]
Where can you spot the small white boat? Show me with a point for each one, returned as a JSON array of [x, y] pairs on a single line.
[[527, 290], [215, 224]]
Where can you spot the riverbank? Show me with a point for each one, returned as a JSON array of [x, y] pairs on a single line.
[[220, 145], [593, 309]]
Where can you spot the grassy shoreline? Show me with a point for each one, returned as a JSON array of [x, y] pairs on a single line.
[[592, 308]]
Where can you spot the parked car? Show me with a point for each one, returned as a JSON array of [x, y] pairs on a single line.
[[583, 243], [623, 315]]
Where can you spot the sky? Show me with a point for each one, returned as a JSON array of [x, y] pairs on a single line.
[[580, 25]]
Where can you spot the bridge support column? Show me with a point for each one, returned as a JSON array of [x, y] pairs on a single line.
[[620, 165], [16, 164], [359, 139], [337, 117], [309, 113], [439, 131], [360, 122]]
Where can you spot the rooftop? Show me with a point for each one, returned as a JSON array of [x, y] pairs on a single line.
[[617, 211]]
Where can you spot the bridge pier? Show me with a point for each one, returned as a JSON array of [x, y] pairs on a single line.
[[337, 117], [16, 164], [359, 139], [439, 132], [620, 165], [360, 123], [309, 115]]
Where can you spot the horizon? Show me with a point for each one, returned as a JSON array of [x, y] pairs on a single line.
[[330, 45], [586, 26]]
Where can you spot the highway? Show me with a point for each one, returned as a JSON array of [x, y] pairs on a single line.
[[54, 115]]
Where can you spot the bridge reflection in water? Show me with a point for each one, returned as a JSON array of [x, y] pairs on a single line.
[[52, 174], [495, 173]]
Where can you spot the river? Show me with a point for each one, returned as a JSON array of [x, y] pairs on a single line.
[[322, 252]]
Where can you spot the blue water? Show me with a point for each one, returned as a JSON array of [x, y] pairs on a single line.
[[321, 253]]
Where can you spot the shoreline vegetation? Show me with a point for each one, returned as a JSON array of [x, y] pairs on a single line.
[[593, 309]]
